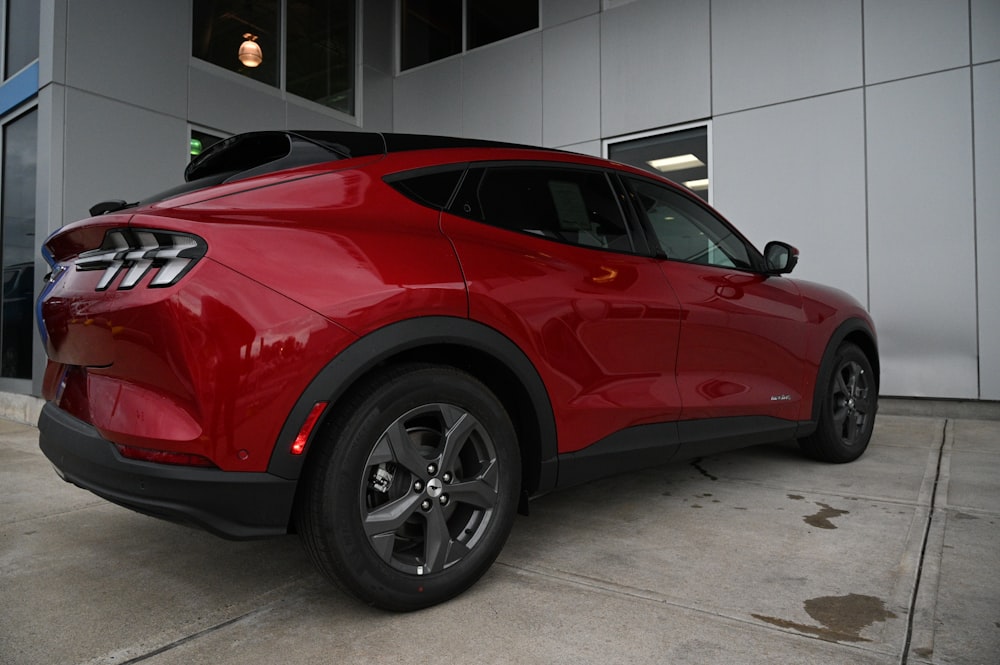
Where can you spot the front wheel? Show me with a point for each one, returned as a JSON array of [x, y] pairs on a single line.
[[413, 493], [847, 409]]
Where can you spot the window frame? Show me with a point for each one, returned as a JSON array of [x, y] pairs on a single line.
[[606, 146], [9, 383], [280, 90], [5, 31], [464, 48]]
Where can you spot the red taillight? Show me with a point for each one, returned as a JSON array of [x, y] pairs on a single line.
[[299, 445], [163, 456]]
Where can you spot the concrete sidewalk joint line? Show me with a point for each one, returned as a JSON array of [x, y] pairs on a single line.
[[948, 432]]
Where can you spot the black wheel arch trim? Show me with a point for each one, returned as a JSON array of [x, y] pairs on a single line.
[[850, 327], [351, 364]]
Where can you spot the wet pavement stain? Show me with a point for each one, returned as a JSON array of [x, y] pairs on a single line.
[[696, 463], [842, 617], [821, 520]]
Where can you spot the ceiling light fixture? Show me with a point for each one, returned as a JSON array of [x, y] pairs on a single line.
[[697, 185], [676, 163], [250, 54]]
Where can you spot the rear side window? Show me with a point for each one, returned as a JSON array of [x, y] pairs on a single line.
[[568, 205], [430, 188]]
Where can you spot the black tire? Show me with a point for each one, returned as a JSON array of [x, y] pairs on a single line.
[[414, 490], [848, 402]]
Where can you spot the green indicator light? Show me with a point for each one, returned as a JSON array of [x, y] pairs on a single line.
[[195, 147]]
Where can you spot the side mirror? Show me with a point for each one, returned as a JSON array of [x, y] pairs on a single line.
[[780, 258]]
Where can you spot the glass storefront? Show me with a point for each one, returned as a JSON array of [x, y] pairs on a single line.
[[17, 235], [21, 18], [19, 31]]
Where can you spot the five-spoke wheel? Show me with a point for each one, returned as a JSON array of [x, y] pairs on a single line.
[[847, 409], [413, 491]]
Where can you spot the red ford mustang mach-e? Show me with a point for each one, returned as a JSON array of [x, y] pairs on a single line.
[[388, 343]]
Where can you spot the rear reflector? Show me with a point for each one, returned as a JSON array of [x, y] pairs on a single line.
[[299, 445], [163, 456]]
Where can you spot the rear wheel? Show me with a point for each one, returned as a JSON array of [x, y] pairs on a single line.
[[847, 409], [415, 489]]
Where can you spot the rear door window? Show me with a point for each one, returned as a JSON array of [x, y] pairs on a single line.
[[576, 206]]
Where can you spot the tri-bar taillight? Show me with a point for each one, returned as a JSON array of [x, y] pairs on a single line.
[[170, 255]]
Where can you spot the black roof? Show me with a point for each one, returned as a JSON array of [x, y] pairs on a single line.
[[255, 153]]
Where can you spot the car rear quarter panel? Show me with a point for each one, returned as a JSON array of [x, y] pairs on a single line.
[[344, 244], [212, 365]]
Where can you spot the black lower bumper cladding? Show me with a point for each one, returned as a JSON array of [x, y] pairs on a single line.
[[228, 503]]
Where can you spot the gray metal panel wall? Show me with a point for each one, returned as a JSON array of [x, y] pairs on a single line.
[[912, 37], [986, 96], [921, 234], [767, 52], [429, 100], [796, 172], [571, 82], [655, 65], [502, 86]]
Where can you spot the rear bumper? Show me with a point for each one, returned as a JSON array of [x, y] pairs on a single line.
[[227, 503]]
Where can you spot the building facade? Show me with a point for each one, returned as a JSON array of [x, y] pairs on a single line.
[[865, 132]]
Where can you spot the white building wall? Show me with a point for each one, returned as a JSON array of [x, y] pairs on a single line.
[[986, 115], [514, 68], [571, 82], [807, 160], [922, 234], [131, 93], [780, 50], [845, 128], [655, 65], [859, 131]]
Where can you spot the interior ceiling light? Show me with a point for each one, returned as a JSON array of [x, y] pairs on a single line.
[[697, 185], [676, 163], [250, 54]]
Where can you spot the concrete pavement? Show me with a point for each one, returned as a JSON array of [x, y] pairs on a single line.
[[756, 556]]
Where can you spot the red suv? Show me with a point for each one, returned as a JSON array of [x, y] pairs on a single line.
[[388, 343]]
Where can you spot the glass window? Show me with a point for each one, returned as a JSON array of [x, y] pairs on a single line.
[[429, 188], [321, 52], [242, 36], [17, 235], [22, 35], [492, 20], [680, 156], [429, 30], [569, 205], [310, 44], [686, 231], [432, 29]]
